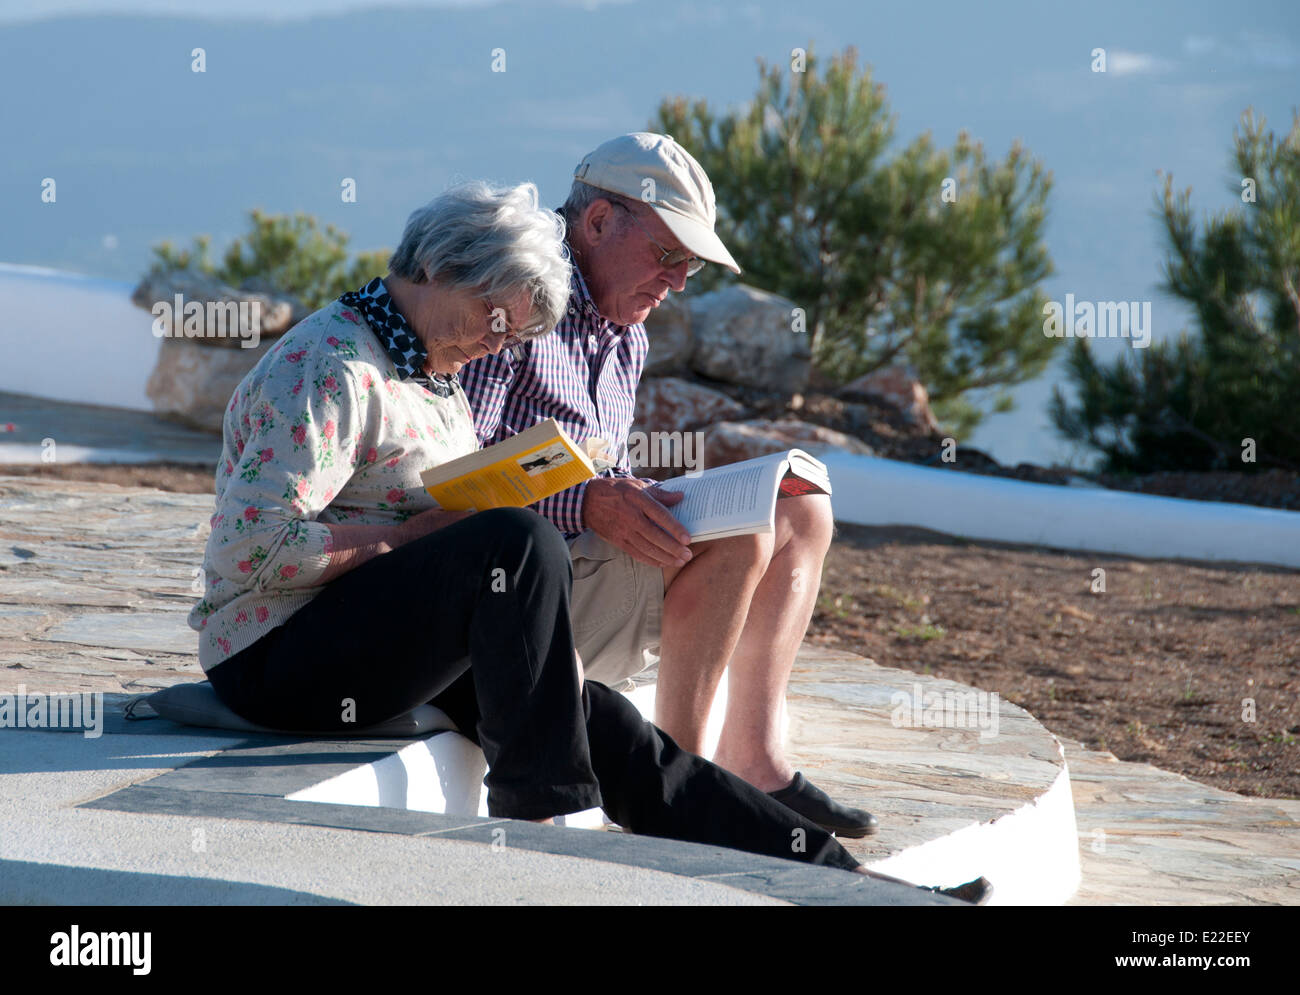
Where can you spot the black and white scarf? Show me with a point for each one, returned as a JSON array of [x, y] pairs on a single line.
[[398, 337]]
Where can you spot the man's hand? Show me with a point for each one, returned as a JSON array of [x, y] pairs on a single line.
[[630, 514]]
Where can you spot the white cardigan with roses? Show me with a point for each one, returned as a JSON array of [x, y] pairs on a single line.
[[321, 430]]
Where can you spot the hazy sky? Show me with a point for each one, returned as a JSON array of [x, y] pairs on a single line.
[[402, 99], [280, 10]]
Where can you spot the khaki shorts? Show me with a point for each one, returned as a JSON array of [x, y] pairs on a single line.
[[617, 610]]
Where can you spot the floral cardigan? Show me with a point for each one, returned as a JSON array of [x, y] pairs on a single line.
[[322, 430]]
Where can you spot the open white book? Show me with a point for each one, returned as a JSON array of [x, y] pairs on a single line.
[[740, 498]]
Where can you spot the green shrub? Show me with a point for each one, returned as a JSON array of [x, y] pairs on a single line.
[[887, 260], [289, 254], [1193, 402]]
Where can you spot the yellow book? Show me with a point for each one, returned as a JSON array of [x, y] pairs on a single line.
[[536, 463]]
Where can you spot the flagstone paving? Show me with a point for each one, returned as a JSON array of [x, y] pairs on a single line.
[[96, 581], [91, 433]]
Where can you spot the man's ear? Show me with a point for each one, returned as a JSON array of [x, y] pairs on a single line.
[[598, 221]]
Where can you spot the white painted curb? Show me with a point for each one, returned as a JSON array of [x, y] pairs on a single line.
[[1030, 856], [445, 772], [873, 491]]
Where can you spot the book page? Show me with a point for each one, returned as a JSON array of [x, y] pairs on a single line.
[[726, 497]]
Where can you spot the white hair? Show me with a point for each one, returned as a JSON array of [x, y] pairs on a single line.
[[493, 240]]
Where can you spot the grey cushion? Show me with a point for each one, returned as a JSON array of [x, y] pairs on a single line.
[[197, 704]]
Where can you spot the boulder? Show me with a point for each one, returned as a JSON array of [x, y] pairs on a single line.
[[746, 336], [731, 442], [899, 386], [227, 316], [669, 330], [669, 404], [194, 386]]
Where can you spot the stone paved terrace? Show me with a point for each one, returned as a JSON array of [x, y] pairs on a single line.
[[96, 580], [92, 433]]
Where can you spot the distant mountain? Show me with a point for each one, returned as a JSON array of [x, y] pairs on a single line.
[[405, 101]]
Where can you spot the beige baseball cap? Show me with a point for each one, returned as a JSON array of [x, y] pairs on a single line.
[[657, 171]]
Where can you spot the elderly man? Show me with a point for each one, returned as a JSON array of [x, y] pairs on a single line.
[[640, 220]]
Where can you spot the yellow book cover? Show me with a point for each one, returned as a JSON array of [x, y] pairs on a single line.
[[536, 463]]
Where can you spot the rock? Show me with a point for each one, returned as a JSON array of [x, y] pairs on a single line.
[[228, 316], [193, 386], [669, 404], [898, 385], [968, 459], [665, 436], [669, 330], [745, 336], [731, 442]]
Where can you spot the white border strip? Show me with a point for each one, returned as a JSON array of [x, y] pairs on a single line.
[[1030, 856], [873, 491]]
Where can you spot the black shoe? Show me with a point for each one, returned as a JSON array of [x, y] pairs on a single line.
[[817, 806], [977, 892]]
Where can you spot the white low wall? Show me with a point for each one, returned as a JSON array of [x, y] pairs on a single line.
[[444, 773], [872, 491], [1031, 855], [74, 338]]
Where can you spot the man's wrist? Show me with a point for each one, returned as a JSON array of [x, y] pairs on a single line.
[[581, 488]]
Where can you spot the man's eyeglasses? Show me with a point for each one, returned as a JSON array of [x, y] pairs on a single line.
[[671, 258]]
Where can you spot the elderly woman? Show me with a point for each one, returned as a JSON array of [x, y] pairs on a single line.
[[338, 595]]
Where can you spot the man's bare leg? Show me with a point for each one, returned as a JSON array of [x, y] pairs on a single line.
[[779, 612], [705, 605], [715, 613]]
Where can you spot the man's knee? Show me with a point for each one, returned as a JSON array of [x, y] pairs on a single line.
[[732, 562], [753, 550], [806, 521]]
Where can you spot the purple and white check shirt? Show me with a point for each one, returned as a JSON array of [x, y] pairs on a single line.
[[584, 375]]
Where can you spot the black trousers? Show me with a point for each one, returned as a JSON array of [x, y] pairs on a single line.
[[474, 618]]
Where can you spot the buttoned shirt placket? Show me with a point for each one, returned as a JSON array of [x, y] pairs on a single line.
[[599, 341]]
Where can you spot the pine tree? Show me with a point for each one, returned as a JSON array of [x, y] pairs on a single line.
[[288, 254], [1198, 402], [929, 257]]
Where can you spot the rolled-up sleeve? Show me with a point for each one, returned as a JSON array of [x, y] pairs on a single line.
[[291, 443], [564, 510]]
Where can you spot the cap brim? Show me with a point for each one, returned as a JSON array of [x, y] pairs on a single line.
[[697, 237]]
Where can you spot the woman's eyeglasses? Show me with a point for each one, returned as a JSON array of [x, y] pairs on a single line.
[[514, 342], [671, 258], [497, 326]]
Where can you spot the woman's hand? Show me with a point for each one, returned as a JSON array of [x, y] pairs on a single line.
[[353, 545], [426, 522]]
